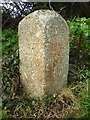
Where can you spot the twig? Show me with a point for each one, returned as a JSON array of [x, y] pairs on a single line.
[[50, 5]]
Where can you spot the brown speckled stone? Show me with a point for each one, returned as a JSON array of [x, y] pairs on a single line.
[[44, 52]]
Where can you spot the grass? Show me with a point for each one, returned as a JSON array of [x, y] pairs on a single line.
[[72, 102]]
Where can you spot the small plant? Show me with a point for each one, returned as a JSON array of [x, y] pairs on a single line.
[[5, 113], [81, 93], [10, 50], [79, 37], [79, 47], [10, 59]]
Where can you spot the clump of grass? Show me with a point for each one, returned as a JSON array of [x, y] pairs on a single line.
[[71, 102], [80, 91]]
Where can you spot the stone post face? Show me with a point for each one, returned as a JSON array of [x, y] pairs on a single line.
[[44, 52]]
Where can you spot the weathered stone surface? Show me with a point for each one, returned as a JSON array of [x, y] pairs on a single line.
[[44, 52]]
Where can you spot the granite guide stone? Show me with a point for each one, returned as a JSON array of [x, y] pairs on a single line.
[[44, 52]]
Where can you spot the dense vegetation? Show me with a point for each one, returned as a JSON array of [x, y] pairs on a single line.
[[72, 102]]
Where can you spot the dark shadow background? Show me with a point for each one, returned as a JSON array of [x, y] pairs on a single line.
[[13, 13]]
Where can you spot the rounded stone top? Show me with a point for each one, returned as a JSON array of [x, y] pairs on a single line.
[[44, 16]]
